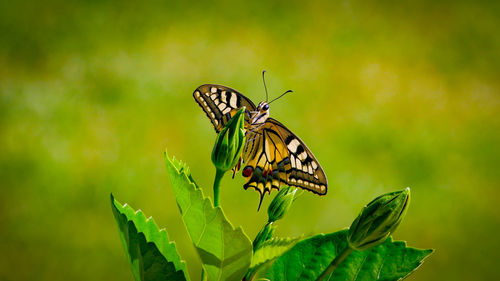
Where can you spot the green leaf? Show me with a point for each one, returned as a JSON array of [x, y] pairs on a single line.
[[271, 249], [267, 252], [225, 251], [151, 255], [391, 260]]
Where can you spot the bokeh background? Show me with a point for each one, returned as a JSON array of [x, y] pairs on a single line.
[[386, 94]]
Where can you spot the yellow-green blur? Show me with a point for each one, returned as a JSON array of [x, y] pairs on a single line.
[[386, 95]]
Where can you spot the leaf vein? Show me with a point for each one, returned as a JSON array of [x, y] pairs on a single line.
[[359, 268]]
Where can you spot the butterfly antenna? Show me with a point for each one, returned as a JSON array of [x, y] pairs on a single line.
[[289, 91], [264, 80]]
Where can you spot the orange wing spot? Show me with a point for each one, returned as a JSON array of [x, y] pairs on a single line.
[[267, 173]]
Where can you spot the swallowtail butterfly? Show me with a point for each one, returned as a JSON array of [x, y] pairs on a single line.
[[273, 156]]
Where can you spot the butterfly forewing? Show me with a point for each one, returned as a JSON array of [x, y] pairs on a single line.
[[220, 103], [305, 171]]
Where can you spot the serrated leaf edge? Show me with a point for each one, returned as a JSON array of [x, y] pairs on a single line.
[[239, 228], [405, 244], [163, 232], [278, 242]]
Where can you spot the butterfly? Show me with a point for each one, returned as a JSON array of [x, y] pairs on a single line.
[[273, 156]]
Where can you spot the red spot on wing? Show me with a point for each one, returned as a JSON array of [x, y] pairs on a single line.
[[247, 171]]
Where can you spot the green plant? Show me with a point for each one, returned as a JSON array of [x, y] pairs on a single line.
[[363, 252]]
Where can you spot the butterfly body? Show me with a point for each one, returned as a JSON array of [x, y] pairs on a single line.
[[273, 156]]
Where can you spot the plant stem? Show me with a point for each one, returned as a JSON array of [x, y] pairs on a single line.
[[218, 176], [265, 234], [335, 263], [249, 275], [203, 277]]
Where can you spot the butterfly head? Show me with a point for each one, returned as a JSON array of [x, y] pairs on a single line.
[[261, 114]]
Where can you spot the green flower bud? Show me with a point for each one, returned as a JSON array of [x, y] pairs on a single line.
[[264, 234], [281, 203], [230, 142], [378, 220]]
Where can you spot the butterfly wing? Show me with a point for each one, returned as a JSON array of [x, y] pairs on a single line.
[[220, 103], [274, 156], [305, 171]]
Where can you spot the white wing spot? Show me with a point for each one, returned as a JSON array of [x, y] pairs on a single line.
[[310, 169], [207, 94], [232, 101], [299, 164], [216, 102], [223, 96], [213, 90], [314, 165], [292, 146], [304, 168], [216, 121], [226, 110], [292, 160], [197, 94], [214, 96], [222, 106]]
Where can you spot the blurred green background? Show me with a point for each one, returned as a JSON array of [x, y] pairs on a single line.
[[386, 95]]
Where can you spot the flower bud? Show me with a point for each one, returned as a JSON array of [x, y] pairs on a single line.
[[378, 220], [281, 203], [230, 142]]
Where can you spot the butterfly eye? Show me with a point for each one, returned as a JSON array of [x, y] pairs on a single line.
[[266, 106]]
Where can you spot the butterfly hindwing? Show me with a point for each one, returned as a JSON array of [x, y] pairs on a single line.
[[220, 103], [266, 160]]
